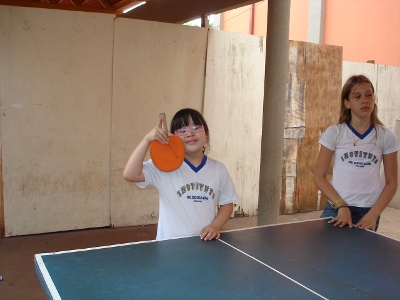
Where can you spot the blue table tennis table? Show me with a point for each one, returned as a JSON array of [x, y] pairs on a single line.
[[300, 260]]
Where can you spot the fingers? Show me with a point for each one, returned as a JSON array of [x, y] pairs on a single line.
[[343, 217], [365, 226], [367, 222], [159, 124], [208, 234], [341, 222], [158, 134], [161, 136]]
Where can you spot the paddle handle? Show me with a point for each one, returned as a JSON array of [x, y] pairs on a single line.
[[164, 125]]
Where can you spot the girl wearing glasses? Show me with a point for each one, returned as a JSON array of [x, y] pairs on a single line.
[[190, 195]]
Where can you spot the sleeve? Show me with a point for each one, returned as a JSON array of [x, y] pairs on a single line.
[[151, 174], [329, 138], [228, 192], [391, 143]]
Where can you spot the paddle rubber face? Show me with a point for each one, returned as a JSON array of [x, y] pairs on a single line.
[[168, 157]]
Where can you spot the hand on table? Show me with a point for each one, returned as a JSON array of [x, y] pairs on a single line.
[[343, 218], [367, 222], [209, 233]]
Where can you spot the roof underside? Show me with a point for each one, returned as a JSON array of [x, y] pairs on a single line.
[[168, 11]]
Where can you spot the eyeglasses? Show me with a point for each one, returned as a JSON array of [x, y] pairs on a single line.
[[194, 128]]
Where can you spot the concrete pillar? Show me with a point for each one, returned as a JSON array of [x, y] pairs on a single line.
[[316, 21], [276, 69]]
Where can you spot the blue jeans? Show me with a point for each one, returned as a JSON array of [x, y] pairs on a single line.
[[356, 213]]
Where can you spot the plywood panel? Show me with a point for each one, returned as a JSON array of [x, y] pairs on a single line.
[[55, 116], [233, 107], [313, 104], [388, 101], [355, 68], [395, 203], [388, 95], [158, 67]]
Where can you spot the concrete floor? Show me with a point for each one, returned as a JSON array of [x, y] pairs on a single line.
[[16, 253]]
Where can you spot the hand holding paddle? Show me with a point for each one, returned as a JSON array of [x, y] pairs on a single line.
[[167, 157]]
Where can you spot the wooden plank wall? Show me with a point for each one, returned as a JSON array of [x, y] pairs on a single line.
[[313, 103]]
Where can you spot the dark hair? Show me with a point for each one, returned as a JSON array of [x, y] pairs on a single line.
[[345, 113], [181, 119]]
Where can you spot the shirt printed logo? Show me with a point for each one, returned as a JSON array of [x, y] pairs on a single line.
[[370, 158], [197, 198], [196, 186]]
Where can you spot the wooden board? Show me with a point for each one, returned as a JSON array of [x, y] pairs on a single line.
[[313, 103]]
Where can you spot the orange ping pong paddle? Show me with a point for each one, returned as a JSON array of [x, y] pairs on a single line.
[[167, 157]]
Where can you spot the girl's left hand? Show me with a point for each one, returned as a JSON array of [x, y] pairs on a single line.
[[367, 222], [208, 233]]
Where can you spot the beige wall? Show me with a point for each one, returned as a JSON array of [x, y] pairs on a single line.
[[78, 93], [233, 106], [163, 73], [55, 103]]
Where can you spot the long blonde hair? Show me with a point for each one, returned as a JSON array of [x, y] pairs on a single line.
[[345, 113]]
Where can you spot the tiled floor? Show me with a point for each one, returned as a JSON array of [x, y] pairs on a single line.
[[16, 253]]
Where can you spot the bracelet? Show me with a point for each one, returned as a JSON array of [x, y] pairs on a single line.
[[342, 207], [338, 201]]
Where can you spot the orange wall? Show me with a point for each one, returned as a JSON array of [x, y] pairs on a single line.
[[298, 20], [260, 18], [367, 29], [238, 20]]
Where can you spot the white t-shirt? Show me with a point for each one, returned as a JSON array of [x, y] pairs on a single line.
[[356, 169], [189, 196]]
